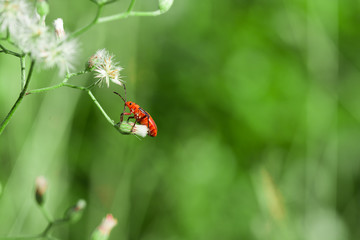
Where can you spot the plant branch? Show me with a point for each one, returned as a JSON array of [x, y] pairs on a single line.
[[18, 101], [7, 51], [101, 109], [87, 27], [46, 214], [62, 84], [129, 14], [86, 89], [22, 71], [131, 6]]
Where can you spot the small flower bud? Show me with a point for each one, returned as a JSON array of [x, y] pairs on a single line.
[[129, 128], [59, 28], [103, 231], [41, 187], [42, 8], [165, 5], [74, 213]]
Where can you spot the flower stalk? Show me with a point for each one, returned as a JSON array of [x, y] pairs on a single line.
[[5, 122]]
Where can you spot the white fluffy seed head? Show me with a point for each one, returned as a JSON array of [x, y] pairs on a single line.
[[140, 130], [106, 68], [12, 14], [30, 35]]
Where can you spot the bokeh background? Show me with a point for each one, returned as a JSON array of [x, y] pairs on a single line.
[[257, 107]]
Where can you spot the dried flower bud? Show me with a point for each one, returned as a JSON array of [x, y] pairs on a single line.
[[74, 213], [41, 187], [129, 128], [59, 28], [42, 8], [103, 231], [165, 5]]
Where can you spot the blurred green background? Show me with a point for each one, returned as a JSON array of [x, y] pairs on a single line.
[[257, 108]]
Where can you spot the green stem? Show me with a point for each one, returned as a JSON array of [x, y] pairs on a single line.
[[63, 83], [46, 214], [23, 71], [7, 51], [18, 101], [40, 90], [101, 109], [131, 6], [87, 27], [128, 14], [51, 225], [86, 89]]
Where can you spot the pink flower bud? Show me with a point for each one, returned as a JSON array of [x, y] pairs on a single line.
[[103, 231], [107, 224]]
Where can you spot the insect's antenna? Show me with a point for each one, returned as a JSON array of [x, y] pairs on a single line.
[[120, 96]]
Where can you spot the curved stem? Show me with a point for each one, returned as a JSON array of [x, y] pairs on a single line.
[[18, 101], [63, 83], [51, 225], [84, 29], [127, 14], [7, 51], [40, 90], [101, 109], [86, 89], [46, 214]]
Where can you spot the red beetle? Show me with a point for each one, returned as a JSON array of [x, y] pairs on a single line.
[[141, 116]]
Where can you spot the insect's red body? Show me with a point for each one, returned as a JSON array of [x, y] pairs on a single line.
[[142, 117]]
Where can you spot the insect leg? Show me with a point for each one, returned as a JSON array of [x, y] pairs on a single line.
[[122, 115]]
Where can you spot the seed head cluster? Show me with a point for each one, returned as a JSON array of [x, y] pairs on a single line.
[[28, 32]]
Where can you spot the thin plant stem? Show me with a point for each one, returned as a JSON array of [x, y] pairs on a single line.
[[86, 89], [129, 14], [87, 27], [51, 225], [7, 51], [131, 6], [46, 214], [22, 71], [59, 85], [101, 109], [8, 117]]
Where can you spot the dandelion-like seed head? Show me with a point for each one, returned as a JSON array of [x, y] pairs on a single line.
[[30, 34], [133, 128], [106, 68], [140, 130], [58, 54], [12, 13]]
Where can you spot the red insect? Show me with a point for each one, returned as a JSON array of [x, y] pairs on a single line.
[[141, 116]]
